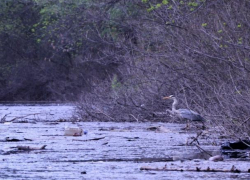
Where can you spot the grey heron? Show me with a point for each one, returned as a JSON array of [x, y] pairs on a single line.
[[184, 113]]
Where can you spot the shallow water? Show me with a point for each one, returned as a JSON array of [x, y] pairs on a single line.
[[36, 112], [108, 151]]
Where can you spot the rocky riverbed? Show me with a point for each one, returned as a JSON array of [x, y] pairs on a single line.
[[39, 149]]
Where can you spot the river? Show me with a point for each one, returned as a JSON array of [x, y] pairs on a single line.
[[36, 112], [109, 150]]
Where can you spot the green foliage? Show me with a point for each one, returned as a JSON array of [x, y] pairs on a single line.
[[38, 40], [151, 8], [204, 24], [115, 84], [158, 5], [240, 40], [164, 2], [194, 4]]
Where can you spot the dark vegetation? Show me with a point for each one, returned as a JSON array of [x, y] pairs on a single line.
[[119, 57]]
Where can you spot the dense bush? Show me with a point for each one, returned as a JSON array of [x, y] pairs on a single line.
[[198, 52]]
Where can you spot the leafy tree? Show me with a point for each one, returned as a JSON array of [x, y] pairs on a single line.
[[121, 56]]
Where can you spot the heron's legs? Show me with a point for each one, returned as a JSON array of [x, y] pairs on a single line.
[[203, 126], [187, 125]]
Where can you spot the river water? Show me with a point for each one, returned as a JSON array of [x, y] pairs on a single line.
[[36, 112], [108, 151]]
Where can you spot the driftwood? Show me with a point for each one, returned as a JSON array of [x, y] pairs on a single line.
[[196, 169], [9, 139], [28, 148], [17, 117], [159, 129], [94, 139], [119, 152], [18, 149]]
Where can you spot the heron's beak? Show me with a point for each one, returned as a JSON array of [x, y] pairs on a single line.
[[167, 97]]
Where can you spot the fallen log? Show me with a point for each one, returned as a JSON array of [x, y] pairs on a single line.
[[12, 139], [28, 148], [196, 169], [93, 139]]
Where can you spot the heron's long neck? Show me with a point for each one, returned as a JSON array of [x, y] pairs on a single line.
[[174, 104]]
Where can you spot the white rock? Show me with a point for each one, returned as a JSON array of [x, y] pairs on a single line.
[[216, 158], [73, 131]]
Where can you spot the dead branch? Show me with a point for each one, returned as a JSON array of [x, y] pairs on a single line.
[[99, 111], [134, 117], [202, 150], [196, 138], [2, 120], [22, 117]]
